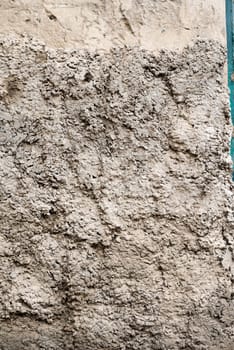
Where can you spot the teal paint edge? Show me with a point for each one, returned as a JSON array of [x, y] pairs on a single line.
[[230, 62]]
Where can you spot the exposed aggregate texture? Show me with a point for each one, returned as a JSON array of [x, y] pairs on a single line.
[[116, 199]]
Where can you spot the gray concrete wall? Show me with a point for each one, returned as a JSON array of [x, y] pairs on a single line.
[[116, 201], [116, 220]]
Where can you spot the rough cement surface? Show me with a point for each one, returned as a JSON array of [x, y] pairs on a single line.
[[102, 24], [116, 225]]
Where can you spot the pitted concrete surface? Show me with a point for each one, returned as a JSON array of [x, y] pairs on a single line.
[[116, 215]]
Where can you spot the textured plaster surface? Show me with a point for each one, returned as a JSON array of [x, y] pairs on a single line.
[[115, 212], [101, 24]]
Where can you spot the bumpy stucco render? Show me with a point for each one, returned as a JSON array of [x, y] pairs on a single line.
[[116, 200]]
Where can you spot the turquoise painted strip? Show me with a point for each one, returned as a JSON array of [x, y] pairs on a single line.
[[230, 56]]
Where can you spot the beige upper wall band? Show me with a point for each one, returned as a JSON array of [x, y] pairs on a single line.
[[101, 24]]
